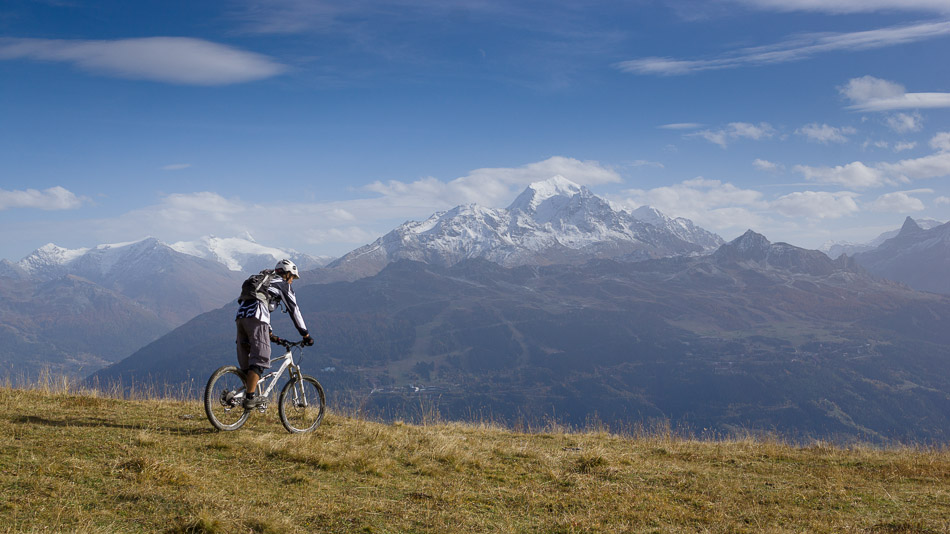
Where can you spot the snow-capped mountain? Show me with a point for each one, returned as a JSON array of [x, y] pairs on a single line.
[[245, 254], [174, 285], [834, 249], [553, 221], [235, 253]]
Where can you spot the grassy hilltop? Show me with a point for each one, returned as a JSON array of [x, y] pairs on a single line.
[[76, 462]]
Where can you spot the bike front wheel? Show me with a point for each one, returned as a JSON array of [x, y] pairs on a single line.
[[224, 399], [302, 404]]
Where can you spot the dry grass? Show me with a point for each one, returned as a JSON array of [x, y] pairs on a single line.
[[77, 462]]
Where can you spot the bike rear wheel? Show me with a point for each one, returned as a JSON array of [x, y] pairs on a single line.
[[224, 399], [302, 404]]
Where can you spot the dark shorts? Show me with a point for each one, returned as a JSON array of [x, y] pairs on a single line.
[[253, 343]]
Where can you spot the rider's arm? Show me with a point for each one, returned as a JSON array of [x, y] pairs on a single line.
[[290, 304]]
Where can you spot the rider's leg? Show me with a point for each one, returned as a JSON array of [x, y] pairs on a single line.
[[252, 380], [253, 340]]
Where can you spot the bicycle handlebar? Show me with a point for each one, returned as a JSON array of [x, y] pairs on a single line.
[[289, 344]]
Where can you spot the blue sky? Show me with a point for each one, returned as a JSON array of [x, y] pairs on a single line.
[[321, 125]]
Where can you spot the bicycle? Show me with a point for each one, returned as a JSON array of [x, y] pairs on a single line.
[[301, 404]]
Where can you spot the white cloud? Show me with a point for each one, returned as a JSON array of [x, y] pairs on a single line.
[[874, 94], [942, 200], [795, 48], [765, 165], [54, 198], [681, 126], [816, 204], [177, 60], [899, 202], [941, 142], [905, 122], [900, 147], [855, 175], [176, 167], [823, 133], [647, 163], [736, 130], [849, 6], [933, 166], [492, 186], [709, 203]]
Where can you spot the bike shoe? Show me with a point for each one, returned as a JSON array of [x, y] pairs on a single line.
[[253, 402]]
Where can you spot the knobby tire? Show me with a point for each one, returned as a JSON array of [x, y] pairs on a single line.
[[223, 413]]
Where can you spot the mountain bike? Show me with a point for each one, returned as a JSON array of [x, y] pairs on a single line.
[[301, 404]]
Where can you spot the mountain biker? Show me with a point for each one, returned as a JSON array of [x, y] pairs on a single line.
[[254, 332]]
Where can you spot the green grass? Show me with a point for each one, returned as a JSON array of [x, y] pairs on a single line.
[[77, 462]]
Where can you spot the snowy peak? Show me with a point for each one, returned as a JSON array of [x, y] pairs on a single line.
[[651, 215], [552, 221], [49, 258], [235, 253], [558, 188], [242, 253]]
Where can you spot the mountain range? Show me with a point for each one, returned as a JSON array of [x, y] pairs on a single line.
[[916, 256], [835, 249], [756, 335], [552, 222], [559, 306], [153, 287]]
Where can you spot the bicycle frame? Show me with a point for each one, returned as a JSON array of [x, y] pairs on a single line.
[[271, 378]]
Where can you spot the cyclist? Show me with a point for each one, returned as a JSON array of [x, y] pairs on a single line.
[[253, 327]]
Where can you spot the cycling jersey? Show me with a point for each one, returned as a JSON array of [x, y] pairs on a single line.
[[278, 291]]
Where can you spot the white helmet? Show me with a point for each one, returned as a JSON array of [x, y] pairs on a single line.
[[287, 266]]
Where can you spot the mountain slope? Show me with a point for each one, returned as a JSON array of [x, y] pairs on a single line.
[[69, 326], [758, 335], [916, 256], [156, 466], [835, 249], [551, 222]]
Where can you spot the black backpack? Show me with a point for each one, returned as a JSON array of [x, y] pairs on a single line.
[[255, 287]]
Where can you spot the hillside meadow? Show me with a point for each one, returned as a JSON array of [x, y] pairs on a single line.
[[77, 461]]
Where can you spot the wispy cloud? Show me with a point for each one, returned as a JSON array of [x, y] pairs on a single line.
[[858, 175], [905, 122], [492, 186], [823, 133], [817, 204], [855, 175], [710, 203], [941, 142], [900, 147], [868, 93], [175, 60], [795, 48], [54, 198], [765, 165], [849, 6], [681, 126], [734, 131], [176, 167]]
